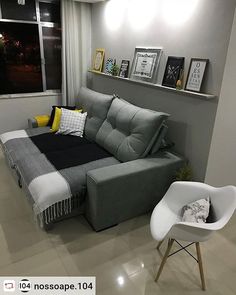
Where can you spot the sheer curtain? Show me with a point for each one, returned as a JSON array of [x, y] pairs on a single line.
[[76, 48]]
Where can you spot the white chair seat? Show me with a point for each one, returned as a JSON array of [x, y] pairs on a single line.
[[167, 215]]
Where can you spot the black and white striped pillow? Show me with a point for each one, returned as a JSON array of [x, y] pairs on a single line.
[[72, 123]]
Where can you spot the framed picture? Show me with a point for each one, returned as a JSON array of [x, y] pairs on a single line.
[[124, 68], [173, 71], [196, 74], [110, 62], [98, 59], [145, 64]]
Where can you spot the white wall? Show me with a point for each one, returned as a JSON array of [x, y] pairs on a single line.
[[205, 34], [221, 169], [14, 112]]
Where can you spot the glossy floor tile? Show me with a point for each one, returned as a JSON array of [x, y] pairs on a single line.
[[124, 258]]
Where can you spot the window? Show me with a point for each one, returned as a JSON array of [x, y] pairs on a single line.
[[30, 46]]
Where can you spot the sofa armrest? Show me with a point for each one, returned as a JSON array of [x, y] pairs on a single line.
[[32, 123], [38, 121], [123, 191]]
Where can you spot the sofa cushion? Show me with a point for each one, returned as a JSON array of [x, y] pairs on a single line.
[[96, 105], [129, 131], [158, 144]]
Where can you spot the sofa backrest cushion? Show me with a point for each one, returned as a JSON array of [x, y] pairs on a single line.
[[158, 144], [129, 131], [96, 105]]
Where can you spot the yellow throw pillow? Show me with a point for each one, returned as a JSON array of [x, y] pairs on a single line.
[[42, 120], [57, 119]]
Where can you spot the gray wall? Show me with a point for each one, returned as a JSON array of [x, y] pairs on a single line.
[[221, 169], [205, 34], [14, 112]]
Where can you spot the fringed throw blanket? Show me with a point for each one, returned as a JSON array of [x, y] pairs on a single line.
[[53, 167]]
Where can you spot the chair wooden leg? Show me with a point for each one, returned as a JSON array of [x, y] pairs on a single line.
[[170, 243], [159, 244], [199, 257]]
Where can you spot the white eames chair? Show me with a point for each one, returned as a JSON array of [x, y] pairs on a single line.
[[166, 217]]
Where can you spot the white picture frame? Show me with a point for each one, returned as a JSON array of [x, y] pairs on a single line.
[[145, 64]]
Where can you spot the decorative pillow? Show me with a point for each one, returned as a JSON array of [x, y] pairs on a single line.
[[72, 123], [53, 113], [197, 211], [42, 120], [57, 119]]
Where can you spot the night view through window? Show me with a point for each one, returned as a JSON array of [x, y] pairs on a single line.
[[20, 64]]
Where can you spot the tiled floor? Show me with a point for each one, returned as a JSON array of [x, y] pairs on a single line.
[[123, 258]]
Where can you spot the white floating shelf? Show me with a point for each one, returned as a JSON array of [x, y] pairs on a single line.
[[158, 86]]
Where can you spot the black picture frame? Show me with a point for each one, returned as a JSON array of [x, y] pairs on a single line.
[[174, 68], [196, 74], [124, 68]]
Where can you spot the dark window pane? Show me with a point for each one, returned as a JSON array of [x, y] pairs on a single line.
[[49, 12], [52, 54], [12, 10], [20, 63]]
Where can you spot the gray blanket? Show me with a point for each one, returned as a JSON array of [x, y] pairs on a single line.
[[51, 189]]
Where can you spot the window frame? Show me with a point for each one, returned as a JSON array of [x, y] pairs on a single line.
[[40, 25]]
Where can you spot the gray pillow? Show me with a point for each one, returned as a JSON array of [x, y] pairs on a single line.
[[129, 131], [197, 211], [159, 140], [96, 105]]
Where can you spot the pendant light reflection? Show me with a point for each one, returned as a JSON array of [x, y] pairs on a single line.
[[141, 13], [120, 281], [178, 12], [114, 13]]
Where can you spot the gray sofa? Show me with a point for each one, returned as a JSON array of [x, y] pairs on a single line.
[[129, 179]]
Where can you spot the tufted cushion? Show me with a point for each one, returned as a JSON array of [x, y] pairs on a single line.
[[96, 105], [129, 131]]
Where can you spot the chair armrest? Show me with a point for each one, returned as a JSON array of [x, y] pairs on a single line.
[[126, 190], [38, 121]]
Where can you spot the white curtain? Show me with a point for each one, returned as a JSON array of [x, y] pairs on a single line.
[[76, 48]]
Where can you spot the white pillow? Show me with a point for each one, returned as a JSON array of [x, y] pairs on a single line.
[[197, 211], [72, 123]]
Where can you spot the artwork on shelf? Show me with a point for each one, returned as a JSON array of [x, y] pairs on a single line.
[[145, 63], [110, 62], [173, 72], [196, 74], [98, 59], [124, 68]]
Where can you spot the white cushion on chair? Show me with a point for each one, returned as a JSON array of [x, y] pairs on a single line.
[[197, 211]]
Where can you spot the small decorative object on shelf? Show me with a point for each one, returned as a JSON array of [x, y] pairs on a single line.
[[98, 59], [110, 62], [196, 74], [115, 70], [145, 64], [179, 83], [174, 66], [124, 69]]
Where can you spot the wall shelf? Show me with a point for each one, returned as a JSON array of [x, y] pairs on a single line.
[[158, 86]]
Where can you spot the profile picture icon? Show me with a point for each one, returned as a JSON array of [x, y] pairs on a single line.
[[9, 286]]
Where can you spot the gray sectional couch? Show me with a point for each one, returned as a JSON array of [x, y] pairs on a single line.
[[127, 173]]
